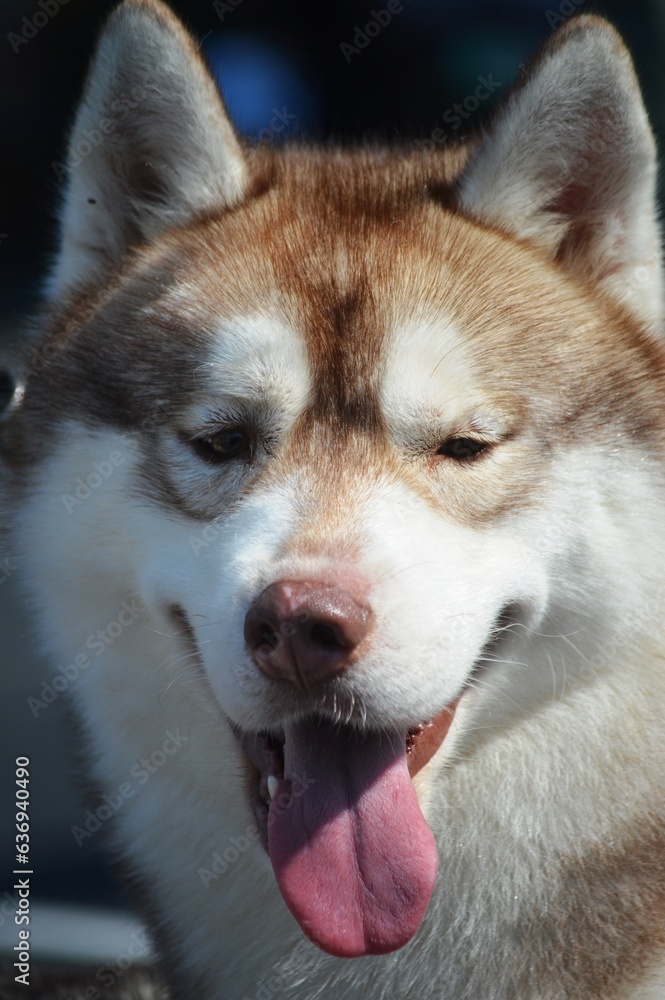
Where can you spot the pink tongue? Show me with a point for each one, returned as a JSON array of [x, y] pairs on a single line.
[[353, 856]]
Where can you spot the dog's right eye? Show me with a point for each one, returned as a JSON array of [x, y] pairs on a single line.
[[224, 446]]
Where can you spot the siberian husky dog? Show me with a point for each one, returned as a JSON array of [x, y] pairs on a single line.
[[338, 487]]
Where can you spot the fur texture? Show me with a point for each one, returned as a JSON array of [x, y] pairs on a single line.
[[448, 374]]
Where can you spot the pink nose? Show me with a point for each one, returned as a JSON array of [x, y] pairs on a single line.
[[305, 630]]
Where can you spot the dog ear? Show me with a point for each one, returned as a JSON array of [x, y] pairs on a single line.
[[569, 164], [152, 144]]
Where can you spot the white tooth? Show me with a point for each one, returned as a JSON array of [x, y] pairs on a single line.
[[273, 785]]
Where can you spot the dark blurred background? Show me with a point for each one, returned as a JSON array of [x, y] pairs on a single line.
[[309, 67]]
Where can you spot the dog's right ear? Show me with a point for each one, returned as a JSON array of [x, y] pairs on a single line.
[[152, 145]]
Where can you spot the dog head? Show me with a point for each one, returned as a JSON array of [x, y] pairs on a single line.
[[341, 421]]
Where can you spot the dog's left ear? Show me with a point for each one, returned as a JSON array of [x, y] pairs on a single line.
[[152, 145], [569, 164]]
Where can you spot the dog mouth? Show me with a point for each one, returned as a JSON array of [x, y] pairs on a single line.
[[337, 810], [266, 754], [353, 856]]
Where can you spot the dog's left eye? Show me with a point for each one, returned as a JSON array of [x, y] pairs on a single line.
[[462, 448], [224, 446]]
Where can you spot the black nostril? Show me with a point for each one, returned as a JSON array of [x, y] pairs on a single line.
[[270, 637], [325, 636]]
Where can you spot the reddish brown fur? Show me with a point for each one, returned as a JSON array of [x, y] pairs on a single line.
[[382, 215], [347, 246], [608, 918]]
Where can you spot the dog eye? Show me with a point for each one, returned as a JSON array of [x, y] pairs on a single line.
[[224, 446], [462, 448]]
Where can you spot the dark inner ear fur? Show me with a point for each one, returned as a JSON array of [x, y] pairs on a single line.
[[146, 184], [578, 236]]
